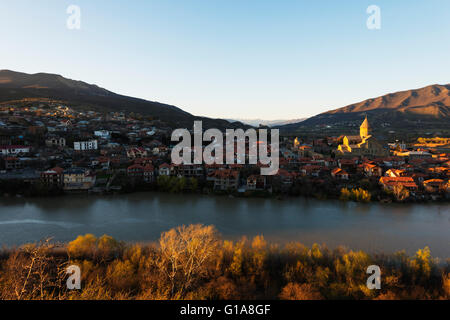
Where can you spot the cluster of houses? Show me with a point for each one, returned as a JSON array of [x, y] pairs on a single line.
[[87, 151]]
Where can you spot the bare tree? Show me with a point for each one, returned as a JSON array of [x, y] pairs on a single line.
[[185, 253]]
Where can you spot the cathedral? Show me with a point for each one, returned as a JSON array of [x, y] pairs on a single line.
[[363, 145]]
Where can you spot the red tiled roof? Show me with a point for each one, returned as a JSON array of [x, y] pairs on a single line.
[[393, 181], [149, 168], [224, 174]]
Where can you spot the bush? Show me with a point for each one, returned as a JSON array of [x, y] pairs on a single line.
[[295, 291], [83, 246], [358, 195]]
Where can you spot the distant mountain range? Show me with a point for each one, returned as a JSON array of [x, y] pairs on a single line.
[[428, 107], [269, 123], [18, 87]]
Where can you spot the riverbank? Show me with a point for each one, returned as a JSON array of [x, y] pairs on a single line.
[[255, 194]]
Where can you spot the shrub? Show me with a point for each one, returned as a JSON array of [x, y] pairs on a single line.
[[83, 246], [295, 291]]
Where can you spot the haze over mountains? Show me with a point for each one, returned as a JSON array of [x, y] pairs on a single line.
[[428, 106], [269, 123]]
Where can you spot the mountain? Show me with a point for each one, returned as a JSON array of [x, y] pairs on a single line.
[[17, 86], [427, 107], [269, 123]]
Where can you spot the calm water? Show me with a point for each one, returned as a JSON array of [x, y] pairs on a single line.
[[143, 216]]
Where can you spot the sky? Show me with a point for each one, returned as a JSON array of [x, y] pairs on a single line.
[[267, 59]]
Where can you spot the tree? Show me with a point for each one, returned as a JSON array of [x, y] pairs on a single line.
[[193, 184], [361, 195], [295, 291], [446, 285], [184, 254], [345, 194], [31, 272], [108, 246], [83, 246], [400, 192], [422, 265]]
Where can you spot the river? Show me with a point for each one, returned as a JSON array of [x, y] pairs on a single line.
[[141, 217]]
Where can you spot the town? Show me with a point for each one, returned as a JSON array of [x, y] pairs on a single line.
[[48, 149]]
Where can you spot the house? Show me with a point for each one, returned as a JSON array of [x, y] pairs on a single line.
[[349, 165], [226, 179], [256, 182], [66, 123], [372, 170], [103, 162], [434, 185], [103, 134], [389, 183], [338, 173], [13, 163], [210, 168], [149, 173], [138, 152], [135, 171], [285, 177], [165, 170], [393, 173], [143, 161], [85, 145], [14, 150], [78, 179], [55, 142], [53, 177], [193, 170], [312, 170]]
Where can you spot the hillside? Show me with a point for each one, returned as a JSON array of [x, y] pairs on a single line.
[[427, 107], [17, 86]]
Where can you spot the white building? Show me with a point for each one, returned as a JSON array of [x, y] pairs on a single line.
[[85, 145], [55, 142], [8, 150], [104, 134]]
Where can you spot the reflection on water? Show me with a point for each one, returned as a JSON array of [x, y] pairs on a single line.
[[143, 216]]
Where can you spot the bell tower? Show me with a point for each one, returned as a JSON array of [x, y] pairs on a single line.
[[364, 130]]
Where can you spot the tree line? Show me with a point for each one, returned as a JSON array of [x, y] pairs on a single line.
[[193, 262]]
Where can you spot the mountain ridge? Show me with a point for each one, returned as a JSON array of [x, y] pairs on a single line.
[[16, 86], [429, 105]]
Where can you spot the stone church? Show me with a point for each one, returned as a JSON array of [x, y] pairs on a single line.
[[363, 145]]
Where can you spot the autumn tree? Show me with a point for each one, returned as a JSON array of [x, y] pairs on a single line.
[[446, 285], [400, 192], [296, 291], [83, 246], [32, 272], [185, 253]]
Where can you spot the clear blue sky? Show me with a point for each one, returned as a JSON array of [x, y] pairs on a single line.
[[276, 59]]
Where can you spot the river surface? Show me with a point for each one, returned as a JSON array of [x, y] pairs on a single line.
[[141, 217]]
